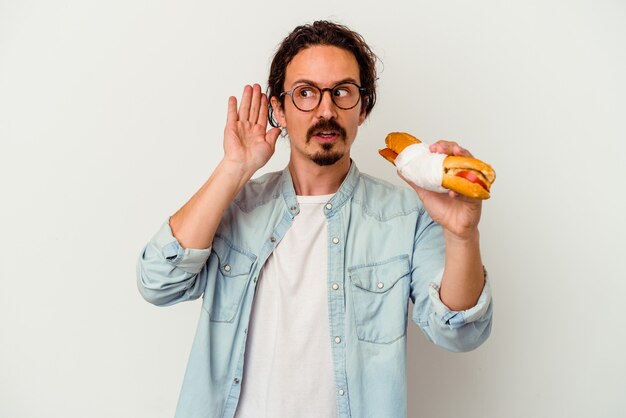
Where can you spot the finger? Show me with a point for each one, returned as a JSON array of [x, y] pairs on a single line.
[[449, 148], [244, 108], [443, 147], [271, 136], [438, 147], [231, 115], [255, 104], [263, 111], [459, 150]]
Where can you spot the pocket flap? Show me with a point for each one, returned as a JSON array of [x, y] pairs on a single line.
[[232, 261], [380, 277]]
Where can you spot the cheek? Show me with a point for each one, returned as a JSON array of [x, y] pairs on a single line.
[[297, 124], [291, 115], [356, 121]]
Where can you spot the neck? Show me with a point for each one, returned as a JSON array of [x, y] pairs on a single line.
[[310, 179]]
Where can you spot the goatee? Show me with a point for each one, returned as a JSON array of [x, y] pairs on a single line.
[[327, 156]]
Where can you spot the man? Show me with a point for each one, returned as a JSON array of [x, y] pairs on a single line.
[[306, 273]]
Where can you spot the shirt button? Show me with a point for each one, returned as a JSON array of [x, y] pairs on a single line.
[[335, 240], [273, 239], [329, 206], [335, 286], [337, 340], [293, 208], [380, 285], [227, 268], [341, 392], [236, 381]]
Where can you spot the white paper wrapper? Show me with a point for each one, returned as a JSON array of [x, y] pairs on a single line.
[[422, 167]]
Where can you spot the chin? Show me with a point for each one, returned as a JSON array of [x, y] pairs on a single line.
[[326, 158]]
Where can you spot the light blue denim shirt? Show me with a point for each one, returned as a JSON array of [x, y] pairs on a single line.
[[383, 249]]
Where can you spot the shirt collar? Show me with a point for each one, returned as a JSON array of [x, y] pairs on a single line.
[[345, 192]]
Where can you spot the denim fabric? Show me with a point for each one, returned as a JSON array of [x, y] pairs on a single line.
[[383, 249]]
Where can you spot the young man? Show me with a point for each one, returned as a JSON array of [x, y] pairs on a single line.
[[306, 273]]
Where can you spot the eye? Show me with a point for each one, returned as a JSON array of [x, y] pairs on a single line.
[[305, 92], [342, 91]]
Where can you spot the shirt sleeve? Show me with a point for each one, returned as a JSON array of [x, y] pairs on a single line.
[[167, 273], [453, 330]]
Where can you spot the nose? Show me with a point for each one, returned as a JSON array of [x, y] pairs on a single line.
[[327, 108]]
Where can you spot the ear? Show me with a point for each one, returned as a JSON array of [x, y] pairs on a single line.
[[362, 116], [279, 113], [363, 113]]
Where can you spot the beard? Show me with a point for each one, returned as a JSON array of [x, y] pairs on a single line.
[[327, 156]]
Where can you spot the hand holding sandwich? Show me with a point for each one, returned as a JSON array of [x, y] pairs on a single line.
[[449, 181], [457, 214]]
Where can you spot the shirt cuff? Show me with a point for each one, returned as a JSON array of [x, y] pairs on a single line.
[[187, 259], [456, 319]]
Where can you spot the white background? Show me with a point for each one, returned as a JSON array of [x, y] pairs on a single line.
[[111, 117]]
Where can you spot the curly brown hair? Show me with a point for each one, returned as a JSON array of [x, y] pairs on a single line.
[[322, 32]]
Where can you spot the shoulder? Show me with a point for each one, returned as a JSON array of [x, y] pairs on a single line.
[[259, 191], [385, 200]]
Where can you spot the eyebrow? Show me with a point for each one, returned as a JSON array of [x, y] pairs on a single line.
[[312, 83]]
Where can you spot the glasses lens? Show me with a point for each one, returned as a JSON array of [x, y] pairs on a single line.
[[346, 96], [306, 97]]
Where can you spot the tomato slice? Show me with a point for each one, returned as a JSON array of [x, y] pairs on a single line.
[[471, 176]]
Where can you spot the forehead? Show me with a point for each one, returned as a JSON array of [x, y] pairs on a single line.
[[322, 64]]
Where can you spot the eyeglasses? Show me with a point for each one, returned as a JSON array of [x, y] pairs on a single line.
[[307, 97]]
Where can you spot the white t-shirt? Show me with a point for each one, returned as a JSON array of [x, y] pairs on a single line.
[[288, 370]]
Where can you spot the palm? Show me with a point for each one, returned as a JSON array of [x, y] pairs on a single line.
[[246, 143]]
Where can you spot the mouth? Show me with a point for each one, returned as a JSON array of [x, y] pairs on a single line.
[[326, 132], [326, 136]]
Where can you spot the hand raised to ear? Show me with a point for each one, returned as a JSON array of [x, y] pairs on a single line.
[[247, 142]]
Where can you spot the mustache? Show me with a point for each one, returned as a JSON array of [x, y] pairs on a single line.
[[326, 125]]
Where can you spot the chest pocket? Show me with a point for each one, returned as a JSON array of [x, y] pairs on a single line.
[[232, 274], [380, 296]]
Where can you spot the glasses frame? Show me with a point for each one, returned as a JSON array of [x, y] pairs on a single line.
[[322, 91]]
